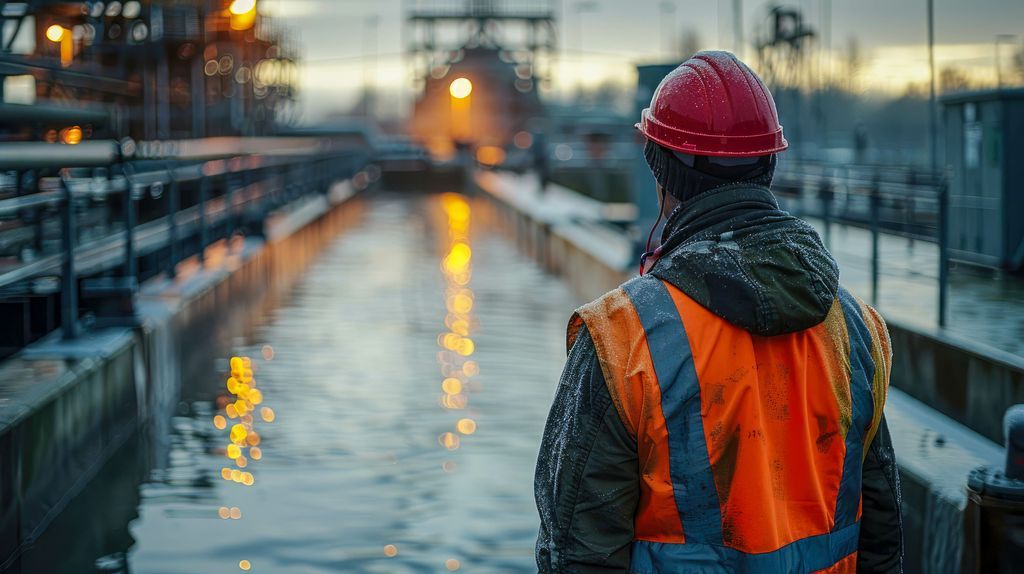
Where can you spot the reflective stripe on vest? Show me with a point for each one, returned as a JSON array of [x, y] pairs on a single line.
[[693, 481]]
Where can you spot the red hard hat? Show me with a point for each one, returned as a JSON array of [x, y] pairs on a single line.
[[713, 104]]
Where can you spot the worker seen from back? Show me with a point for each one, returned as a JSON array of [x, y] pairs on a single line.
[[721, 412]]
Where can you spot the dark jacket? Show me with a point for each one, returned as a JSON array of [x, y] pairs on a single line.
[[775, 277]]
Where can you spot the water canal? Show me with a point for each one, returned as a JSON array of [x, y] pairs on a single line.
[[407, 377]]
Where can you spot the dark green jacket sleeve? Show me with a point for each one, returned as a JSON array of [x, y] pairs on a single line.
[[587, 482], [881, 523]]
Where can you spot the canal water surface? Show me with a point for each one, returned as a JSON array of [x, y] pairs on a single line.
[[406, 380]]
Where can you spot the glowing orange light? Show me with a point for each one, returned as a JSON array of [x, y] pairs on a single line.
[[233, 451], [244, 564], [255, 396], [238, 434], [452, 564], [220, 422], [390, 551], [223, 512], [449, 440], [490, 155], [236, 475], [242, 6], [248, 479], [466, 426], [466, 347], [452, 386], [242, 462], [460, 88], [268, 414], [230, 411], [255, 453], [55, 33], [225, 473], [232, 385], [235, 513], [71, 135], [253, 439]]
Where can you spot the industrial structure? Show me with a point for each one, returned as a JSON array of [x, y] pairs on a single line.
[[497, 51], [75, 71]]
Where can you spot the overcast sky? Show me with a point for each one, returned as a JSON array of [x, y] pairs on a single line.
[[608, 40]]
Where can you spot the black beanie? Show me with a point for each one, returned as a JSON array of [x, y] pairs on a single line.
[[686, 182]]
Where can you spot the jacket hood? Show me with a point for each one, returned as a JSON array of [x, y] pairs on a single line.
[[744, 259]]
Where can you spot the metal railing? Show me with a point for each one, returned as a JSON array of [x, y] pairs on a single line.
[[160, 202], [897, 200]]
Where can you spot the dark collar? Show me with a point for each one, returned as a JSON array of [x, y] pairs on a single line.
[[710, 210]]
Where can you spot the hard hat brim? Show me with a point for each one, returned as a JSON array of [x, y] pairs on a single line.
[[710, 144]]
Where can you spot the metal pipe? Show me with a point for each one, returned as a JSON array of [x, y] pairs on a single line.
[[68, 279], [24, 155]]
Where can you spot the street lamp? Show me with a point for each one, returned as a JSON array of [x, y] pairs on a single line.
[[460, 88], [243, 14], [60, 35], [461, 104]]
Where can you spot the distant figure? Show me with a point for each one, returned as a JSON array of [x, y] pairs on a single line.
[[541, 161], [722, 412], [860, 143]]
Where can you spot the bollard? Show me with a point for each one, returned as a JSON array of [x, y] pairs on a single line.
[[994, 517]]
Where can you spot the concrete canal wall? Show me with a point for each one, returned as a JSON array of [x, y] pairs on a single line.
[[67, 406], [944, 410]]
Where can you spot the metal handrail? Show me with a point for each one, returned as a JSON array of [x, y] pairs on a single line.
[[125, 169]]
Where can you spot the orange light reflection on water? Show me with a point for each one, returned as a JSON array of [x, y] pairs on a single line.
[[457, 346], [241, 401]]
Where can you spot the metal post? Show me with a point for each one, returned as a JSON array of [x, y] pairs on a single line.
[[876, 201], [825, 194], [172, 221], [204, 233], [943, 251], [932, 122], [231, 179], [68, 278], [908, 208], [130, 266]]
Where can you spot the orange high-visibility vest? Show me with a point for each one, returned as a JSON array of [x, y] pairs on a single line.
[[750, 447]]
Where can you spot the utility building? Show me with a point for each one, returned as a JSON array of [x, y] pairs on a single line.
[[984, 148]]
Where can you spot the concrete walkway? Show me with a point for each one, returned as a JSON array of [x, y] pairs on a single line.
[[984, 308]]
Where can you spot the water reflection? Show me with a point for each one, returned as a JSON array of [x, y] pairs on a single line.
[[353, 475], [242, 398], [455, 342]]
